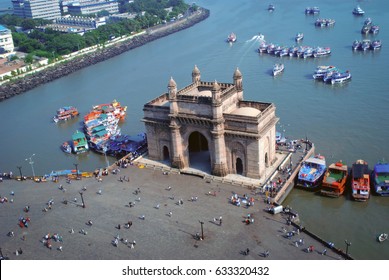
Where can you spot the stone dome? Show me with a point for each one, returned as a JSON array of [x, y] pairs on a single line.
[[172, 83], [237, 73]]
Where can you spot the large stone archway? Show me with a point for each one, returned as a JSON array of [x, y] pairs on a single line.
[[199, 156]]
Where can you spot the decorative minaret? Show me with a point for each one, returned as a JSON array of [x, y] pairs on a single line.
[[238, 83], [174, 126], [219, 166], [196, 75]]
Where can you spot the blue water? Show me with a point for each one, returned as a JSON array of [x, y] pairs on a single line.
[[345, 122]]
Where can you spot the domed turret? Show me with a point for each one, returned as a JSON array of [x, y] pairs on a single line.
[[172, 89], [215, 92], [196, 75], [238, 80]]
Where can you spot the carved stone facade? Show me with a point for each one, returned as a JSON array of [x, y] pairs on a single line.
[[212, 116]]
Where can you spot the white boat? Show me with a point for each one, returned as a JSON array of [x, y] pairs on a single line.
[[382, 237], [339, 77], [278, 68], [322, 70], [358, 11]]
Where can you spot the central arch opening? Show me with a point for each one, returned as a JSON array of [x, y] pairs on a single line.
[[199, 155], [239, 166], [166, 155]]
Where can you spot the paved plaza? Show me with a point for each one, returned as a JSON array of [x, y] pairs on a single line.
[[167, 231]]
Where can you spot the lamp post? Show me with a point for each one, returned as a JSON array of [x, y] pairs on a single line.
[[82, 199], [202, 230], [76, 165], [347, 245], [32, 165], [20, 171]]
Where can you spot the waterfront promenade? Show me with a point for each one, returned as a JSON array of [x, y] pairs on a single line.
[[168, 230]]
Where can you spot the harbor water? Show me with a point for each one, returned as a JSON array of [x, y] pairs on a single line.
[[346, 122]]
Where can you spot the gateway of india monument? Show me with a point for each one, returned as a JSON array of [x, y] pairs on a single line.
[[211, 119]]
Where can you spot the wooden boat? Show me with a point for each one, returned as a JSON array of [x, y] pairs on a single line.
[[66, 147], [360, 182], [334, 182], [65, 113], [80, 144], [382, 237]]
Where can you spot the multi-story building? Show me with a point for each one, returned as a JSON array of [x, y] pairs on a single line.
[[44, 9], [86, 7], [6, 41]]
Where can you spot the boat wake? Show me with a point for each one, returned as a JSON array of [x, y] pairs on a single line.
[[255, 38]]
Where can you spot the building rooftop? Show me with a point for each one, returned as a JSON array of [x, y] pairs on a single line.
[[246, 111]]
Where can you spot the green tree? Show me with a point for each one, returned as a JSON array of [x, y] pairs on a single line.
[[29, 59]]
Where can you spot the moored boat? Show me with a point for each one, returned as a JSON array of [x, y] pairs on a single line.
[[278, 68], [312, 11], [376, 44], [66, 112], [271, 8], [311, 173], [356, 45], [231, 38], [366, 44], [322, 70], [360, 181], [262, 47], [365, 29], [358, 11], [374, 29], [381, 179], [340, 77], [319, 51], [66, 147], [80, 144], [334, 181]]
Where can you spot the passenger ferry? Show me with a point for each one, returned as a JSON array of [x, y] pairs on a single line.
[[311, 173], [381, 179], [360, 181]]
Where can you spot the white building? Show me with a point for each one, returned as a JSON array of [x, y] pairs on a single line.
[[6, 41], [86, 7], [44, 9]]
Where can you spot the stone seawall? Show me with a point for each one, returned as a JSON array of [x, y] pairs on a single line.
[[29, 82]]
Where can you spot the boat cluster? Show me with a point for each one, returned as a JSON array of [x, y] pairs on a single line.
[[334, 180], [294, 51], [331, 74], [312, 10], [366, 44], [369, 27], [324, 22]]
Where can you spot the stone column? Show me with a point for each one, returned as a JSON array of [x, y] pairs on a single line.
[[219, 166], [177, 153]]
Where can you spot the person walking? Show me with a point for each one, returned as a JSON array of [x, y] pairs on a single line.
[[220, 220]]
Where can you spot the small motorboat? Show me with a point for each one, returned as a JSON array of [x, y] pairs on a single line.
[[299, 37], [382, 237], [231, 38], [66, 147], [271, 8], [358, 11], [278, 68]]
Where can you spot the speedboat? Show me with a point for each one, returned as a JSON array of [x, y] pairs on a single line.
[[334, 181], [278, 68], [365, 29], [360, 181], [368, 21], [381, 179], [66, 148], [374, 29], [376, 44], [299, 37], [382, 237], [358, 11], [319, 51], [340, 77], [231, 38], [262, 47], [366, 44], [311, 173], [322, 70], [261, 37], [357, 45]]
